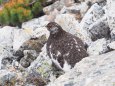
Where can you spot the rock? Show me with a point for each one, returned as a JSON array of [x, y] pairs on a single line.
[[35, 23], [67, 3], [57, 5], [7, 78], [6, 35], [92, 15], [112, 45], [42, 65], [111, 17], [98, 47], [24, 63], [52, 15], [6, 43], [78, 10], [29, 50], [7, 61], [35, 78], [93, 1], [29, 56], [20, 36], [91, 71], [67, 22], [99, 29], [18, 55], [34, 44]]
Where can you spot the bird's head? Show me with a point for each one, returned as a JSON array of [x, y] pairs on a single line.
[[53, 27]]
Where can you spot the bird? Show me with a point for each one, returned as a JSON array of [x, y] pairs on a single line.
[[64, 49]]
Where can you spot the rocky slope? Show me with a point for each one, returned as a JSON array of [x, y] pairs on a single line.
[[23, 57]]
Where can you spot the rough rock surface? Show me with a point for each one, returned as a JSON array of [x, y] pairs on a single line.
[[100, 72], [98, 47], [42, 65], [58, 5], [111, 16], [91, 20], [99, 29], [112, 45], [7, 78]]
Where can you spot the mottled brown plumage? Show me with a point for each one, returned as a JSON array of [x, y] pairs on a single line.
[[64, 46]]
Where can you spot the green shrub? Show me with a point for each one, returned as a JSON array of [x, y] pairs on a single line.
[[4, 17], [16, 12], [37, 7], [1, 2]]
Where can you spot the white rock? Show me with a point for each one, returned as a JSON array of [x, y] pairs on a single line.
[[91, 71], [67, 22], [6, 35], [111, 16], [57, 5], [52, 15], [35, 23], [6, 42], [93, 1], [20, 36], [99, 29], [33, 28], [98, 47], [82, 7], [112, 45], [92, 15]]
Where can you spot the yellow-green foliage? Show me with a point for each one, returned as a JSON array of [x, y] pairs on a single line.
[[15, 12]]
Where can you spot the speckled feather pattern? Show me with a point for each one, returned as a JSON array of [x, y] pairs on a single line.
[[65, 46]]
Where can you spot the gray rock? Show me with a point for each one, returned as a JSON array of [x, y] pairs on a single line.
[[35, 79], [42, 65], [7, 78], [99, 29], [29, 56], [112, 45], [91, 71], [93, 14], [29, 50], [98, 47], [78, 10], [58, 5]]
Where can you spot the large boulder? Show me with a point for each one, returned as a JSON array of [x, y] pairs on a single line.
[[91, 71], [93, 14]]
